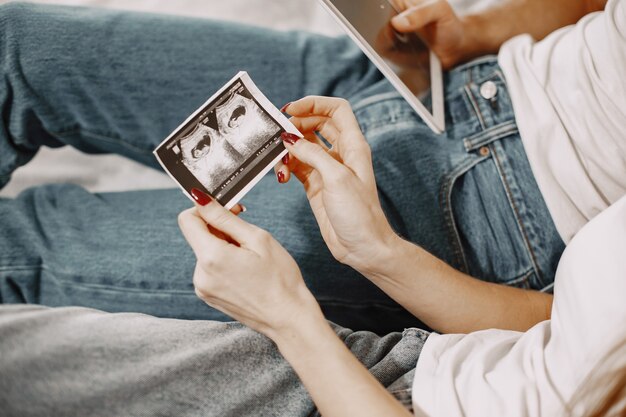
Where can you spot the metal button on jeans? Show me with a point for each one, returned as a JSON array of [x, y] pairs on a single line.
[[488, 90], [484, 151]]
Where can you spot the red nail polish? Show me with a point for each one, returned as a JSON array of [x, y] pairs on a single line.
[[284, 109], [281, 177], [286, 159], [290, 138], [200, 197]]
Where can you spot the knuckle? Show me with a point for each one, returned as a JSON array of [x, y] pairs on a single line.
[[342, 102], [317, 150], [206, 260], [183, 217], [221, 219], [261, 236], [342, 177]]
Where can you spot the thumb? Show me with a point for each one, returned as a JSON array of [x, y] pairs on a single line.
[[421, 14], [221, 219]]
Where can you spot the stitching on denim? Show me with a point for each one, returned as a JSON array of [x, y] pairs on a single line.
[[100, 136], [20, 268], [66, 281], [123, 289], [547, 288], [172, 291], [375, 99], [518, 219], [369, 128], [445, 201], [487, 59], [495, 75], [475, 105], [490, 135], [523, 278]]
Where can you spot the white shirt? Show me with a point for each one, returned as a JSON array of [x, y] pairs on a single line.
[[506, 373], [569, 96]]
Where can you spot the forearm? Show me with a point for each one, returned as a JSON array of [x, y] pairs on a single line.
[[488, 30], [338, 383], [450, 301]]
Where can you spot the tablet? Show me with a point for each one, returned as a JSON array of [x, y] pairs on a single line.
[[404, 59]]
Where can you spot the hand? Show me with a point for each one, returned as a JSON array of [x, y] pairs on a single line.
[[439, 27], [339, 181], [242, 271]]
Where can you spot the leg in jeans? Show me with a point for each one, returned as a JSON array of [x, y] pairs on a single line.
[[121, 82], [87, 363], [107, 81]]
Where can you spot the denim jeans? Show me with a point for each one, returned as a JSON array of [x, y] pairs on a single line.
[[106, 81]]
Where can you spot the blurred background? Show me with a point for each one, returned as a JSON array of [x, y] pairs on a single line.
[[112, 173]]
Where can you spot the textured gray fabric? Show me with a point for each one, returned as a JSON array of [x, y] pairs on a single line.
[[81, 362]]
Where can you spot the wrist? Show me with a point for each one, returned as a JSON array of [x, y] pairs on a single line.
[[479, 37], [305, 311], [302, 333], [392, 258]]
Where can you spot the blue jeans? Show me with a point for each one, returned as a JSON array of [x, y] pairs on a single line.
[[105, 81]]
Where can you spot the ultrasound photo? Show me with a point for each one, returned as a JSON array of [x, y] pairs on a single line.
[[228, 144]]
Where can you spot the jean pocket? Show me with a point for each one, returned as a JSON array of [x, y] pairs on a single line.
[[483, 218]]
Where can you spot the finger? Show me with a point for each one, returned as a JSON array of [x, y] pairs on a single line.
[[419, 14], [215, 215], [317, 158], [238, 209], [337, 109], [351, 147], [323, 125], [299, 169], [283, 170], [197, 234]]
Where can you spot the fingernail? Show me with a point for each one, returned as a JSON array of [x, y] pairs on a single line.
[[290, 138], [286, 159], [281, 177], [200, 197], [284, 109], [402, 21], [243, 208]]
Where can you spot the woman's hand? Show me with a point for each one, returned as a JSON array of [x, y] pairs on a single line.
[[339, 181], [242, 271], [440, 28]]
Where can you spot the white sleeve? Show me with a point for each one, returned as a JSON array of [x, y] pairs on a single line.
[[532, 374]]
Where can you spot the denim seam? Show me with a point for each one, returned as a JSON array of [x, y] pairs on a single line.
[[375, 99], [169, 291], [101, 137], [522, 278], [490, 135], [487, 59], [520, 224], [496, 75], [388, 124], [20, 268], [475, 105], [88, 285], [445, 201]]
